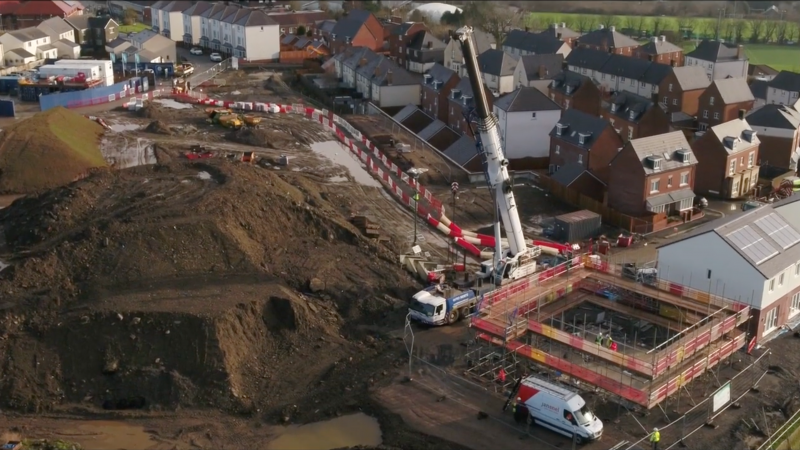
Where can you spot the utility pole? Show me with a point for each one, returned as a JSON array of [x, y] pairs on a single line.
[[454, 190]]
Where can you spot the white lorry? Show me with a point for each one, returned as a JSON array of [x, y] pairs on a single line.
[[558, 409]]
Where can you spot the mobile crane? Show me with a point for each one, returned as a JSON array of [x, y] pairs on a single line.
[[439, 305]]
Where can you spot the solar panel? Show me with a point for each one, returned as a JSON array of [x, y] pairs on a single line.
[[778, 230], [753, 245]]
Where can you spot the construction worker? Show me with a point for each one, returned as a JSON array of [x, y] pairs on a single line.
[[501, 376], [609, 341], [613, 346], [654, 438], [519, 411], [599, 339]]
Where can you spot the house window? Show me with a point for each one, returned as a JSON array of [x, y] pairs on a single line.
[[772, 285], [558, 149], [780, 280], [735, 188], [750, 159], [621, 79], [716, 115], [602, 76], [583, 71], [711, 101], [675, 101], [613, 77], [669, 181], [630, 132], [654, 186], [771, 320], [705, 114], [670, 87], [797, 269], [795, 308], [684, 178], [732, 169], [666, 101]]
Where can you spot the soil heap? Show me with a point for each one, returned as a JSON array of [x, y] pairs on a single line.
[[259, 137], [50, 149], [159, 127], [177, 285]]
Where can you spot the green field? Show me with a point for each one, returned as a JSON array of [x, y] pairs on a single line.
[[134, 28], [779, 57]]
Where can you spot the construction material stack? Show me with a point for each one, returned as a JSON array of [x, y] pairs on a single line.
[[105, 67]]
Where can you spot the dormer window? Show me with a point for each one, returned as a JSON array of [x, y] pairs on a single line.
[[560, 129], [749, 135], [632, 115], [333, 36], [654, 162], [613, 107], [683, 155], [582, 138], [569, 89], [729, 142]]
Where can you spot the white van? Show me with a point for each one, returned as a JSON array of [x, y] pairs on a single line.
[[559, 410]]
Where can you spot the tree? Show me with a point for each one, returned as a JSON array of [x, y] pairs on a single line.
[[770, 29], [301, 30], [756, 29], [609, 21], [792, 31], [658, 25], [629, 22], [726, 30], [708, 27], [582, 23], [781, 30], [130, 16], [641, 23], [455, 19], [419, 16], [371, 6], [495, 21]]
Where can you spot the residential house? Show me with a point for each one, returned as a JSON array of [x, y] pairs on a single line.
[[585, 140], [80, 27], [423, 51], [118, 9], [431, 130], [572, 90], [751, 257], [102, 30], [608, 40], [454, 58], [759, 90], [462, 104], [119, 46], [630, 74], [588, 62], [167, 18], [62, 36], [399, 38], [719, 59], [634, 116], [347, 62], [386, 84], [324, 29], [661, 51], [241, 32], [497, 68], [25, 14], [359, 28], [722, 101], [727, 156], [681, 89], [520, 43], [436, 87], [192, 31], [289, 22], [761, 72], [152, 46], [538, 70], [561, 32], [778, 128], [784, 89], [464, 152], [524, 117], [33, 41], [654, 176]]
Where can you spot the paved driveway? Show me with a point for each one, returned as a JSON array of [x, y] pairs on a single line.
[[201, 63]]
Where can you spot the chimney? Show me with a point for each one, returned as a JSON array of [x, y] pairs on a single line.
[[662, 38], [601, 26], [740, 52], [612, 28], [543, 72], [741, 114], [389, 77], [563, 24], [673, 63], [362, 62], [558, 35], [654, 39], [555, 26], [651, 58]]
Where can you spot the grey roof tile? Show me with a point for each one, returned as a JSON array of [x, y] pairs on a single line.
[[587, 58], [758, 70], [431, 130], [560, 28], [759, 89], [569, 79], [663, 145], [630, 107], [577, 123], [552, 65], [568, 173], [734, 90], [786, 81], [462, 151], [497, 62], [691, 77], [404, 113], [536, 43], [526, 99], [55, 25], [659, 47], [606, 37], [715, 51], [437, 76], [731, 135], [775, 116]]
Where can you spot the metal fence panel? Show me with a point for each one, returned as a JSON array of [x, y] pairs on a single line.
[[96, 96], [160, 69], [7, 108]]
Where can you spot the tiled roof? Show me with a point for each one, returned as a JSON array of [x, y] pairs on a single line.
[[79, 22], [758, 70], [298, 17], [569, 79], [198, 8], [55, 26], [21, 53], [560, 28], [657, 46], [731, 135], [526, 99], [715, 51], [437, 76], [587, 58], [535, 43], [691, 77], [630, 107], [552, 65], [579, 123], [172, 6], [425, 40], [663, 146], [46, 8], [759, 89], [497, 62], [462, 151], [734, 90], [28, 34], [775, 116], [607, 37], [786, 81]]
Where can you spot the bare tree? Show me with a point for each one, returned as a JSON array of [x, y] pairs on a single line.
[[684, 23], [496, 21], [609, 21], [566, 19], [792, 31], [756, 29], [770, 29], [658, 25], [582, 22], [641, 22], [629, 22], [708, 27], [533, 22], [739, 27], [781, 30], [592, 22]]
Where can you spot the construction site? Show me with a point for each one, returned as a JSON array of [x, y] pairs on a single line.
[[211, 273]]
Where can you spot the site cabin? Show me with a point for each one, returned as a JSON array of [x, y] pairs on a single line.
[[442, 305], [559, 410]]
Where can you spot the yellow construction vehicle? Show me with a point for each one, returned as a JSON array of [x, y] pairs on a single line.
[[224, 118], [250, 120]]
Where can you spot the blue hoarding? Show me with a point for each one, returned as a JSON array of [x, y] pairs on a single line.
[[7, 108], [166, 70], [87, 97]]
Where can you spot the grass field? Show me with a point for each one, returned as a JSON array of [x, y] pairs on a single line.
[[780, 57], [135, 28]]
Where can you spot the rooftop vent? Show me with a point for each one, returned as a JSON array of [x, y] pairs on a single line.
[[654, 162]]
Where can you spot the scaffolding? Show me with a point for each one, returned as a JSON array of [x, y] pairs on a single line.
[[706, 329]]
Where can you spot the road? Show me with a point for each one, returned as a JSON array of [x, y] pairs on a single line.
[[201, 63]]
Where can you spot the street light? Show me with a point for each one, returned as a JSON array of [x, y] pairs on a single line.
[[414, 173]]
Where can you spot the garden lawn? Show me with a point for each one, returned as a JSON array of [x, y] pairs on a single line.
[[134, 28]]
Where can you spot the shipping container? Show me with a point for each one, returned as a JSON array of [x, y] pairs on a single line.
[[105, 66], [91, 72], [8, 84], [576, 226]]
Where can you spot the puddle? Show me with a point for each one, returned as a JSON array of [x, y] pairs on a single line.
[[334, 151], [204, 175], [346, 431], [106, 435], [170, 103], [338, 179], [118, 127]]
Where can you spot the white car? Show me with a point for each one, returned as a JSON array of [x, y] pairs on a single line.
[[216, 57], [196, 51]]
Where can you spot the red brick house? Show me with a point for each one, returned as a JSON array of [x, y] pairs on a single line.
[[399, 38], [436, 87], [660, 51], [722, 101], [461, 100], [585, 140], [17, 15], [680, 91], [289, 22], [778, 128], [561, 32], [635, 117], [358, 28], [654, 176], [608, 40], [727, 156], [571, 90]]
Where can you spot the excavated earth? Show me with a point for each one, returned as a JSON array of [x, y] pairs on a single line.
[[189, 287]]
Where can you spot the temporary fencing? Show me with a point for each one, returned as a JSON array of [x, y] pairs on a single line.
[[88, 97], [782, 438]]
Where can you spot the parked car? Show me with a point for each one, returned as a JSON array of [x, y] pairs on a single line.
[[216, 57], [196, 51]]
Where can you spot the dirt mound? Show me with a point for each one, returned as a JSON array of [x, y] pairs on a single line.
[[155, 111], [159, 127], [164, 284], [259, 137], [50, 149]]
